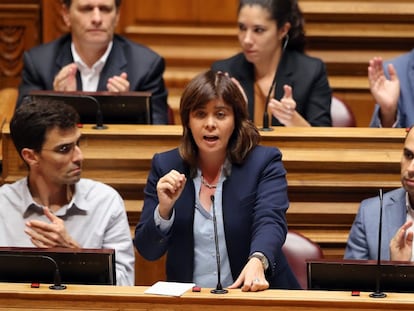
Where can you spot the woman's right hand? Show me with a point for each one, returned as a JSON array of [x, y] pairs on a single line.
[[169, 189]]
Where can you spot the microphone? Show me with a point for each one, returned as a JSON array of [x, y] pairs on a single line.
[[266, 127], [99, 115], [57, 285], [219, 288], [378, 293]]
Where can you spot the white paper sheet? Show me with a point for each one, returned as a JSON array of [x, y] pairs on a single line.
[[169, 288]]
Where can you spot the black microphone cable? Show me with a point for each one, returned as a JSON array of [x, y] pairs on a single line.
[[266, 127], [219, 288], [378, 293]]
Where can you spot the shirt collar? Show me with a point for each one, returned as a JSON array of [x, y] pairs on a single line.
[[75, 206], [99, 63]]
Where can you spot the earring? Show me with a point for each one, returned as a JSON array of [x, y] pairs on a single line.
[[286, 42]]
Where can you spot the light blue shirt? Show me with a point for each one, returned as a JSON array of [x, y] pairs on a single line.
[[95, 218], [205, 262]]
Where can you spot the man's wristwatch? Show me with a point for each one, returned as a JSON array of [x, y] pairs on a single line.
[[262, 258]]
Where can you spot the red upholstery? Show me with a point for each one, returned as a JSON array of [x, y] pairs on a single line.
[[341, 114], [297, 249]]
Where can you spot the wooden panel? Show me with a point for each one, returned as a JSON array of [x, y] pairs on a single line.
[[345, 34], [19, 30], [329, 171], [128, 298], [180, 12], [191, 34], [52, 22]]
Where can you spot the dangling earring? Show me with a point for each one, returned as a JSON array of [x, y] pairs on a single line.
[[286, 42]]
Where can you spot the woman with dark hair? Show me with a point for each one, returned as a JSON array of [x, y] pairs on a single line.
[[273, 69], [218, 171]]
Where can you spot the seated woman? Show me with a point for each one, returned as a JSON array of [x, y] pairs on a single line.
[[273, 69]]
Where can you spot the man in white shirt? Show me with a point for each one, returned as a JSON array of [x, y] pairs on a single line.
[[93, 58], [53, 206]]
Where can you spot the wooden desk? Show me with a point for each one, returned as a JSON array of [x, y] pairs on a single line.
[[330, 170], [84, 297]]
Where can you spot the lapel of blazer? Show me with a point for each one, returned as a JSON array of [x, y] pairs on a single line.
[[411, 73], [283, 76], [394, 213], [115, 64], [284, 72]]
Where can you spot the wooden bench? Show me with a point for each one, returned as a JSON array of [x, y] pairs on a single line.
[[345, 34], [329, 171]]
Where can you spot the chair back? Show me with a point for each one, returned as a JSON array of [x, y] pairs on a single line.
[[341, 114], [298, 249], [171, 120]]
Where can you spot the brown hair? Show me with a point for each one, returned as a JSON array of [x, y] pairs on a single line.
[[208, 86], [35, 117], [68, 3], [284, 11]]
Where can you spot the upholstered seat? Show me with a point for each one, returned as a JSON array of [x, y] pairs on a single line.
[[297, 250], [341, 114]]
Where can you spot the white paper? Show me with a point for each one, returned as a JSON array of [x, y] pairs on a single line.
[[169, 288]]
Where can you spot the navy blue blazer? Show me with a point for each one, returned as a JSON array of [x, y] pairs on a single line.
[[306, 75], [363, 237], [144, 67], [404, 65], [254, 213]]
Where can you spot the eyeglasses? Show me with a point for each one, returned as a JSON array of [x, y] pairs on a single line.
[[65, 148]]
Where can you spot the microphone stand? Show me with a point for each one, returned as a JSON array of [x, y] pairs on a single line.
[[57, 285], [99, 115], [219, 288], [266, 127], [378, 293]]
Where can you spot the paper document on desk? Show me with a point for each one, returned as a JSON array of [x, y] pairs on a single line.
[[169, 288]]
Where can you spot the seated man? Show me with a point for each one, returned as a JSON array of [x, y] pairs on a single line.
[[53, 206], [92, 58], [392, 85], [398, 213]]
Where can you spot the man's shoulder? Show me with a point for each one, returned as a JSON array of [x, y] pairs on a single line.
[[52, 46], [15, 193], [89, 186], [18, 185], [401, 60], [395, 195], [135, 47]]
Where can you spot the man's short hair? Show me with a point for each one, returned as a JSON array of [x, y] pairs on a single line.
[[68, 3], [34, 118]]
